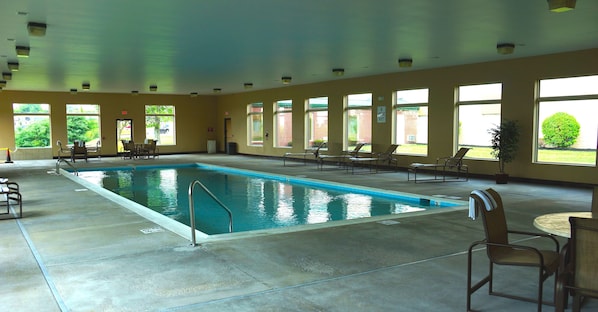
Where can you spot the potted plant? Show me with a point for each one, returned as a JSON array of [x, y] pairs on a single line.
[[504, 140]]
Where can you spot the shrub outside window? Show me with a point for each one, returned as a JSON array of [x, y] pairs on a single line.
[[566, 121], [255, 124], [478, 109], [316, 129], [358, 120], [411, 121], [159, 124], [283, 123], [32, 125], [83, 123]]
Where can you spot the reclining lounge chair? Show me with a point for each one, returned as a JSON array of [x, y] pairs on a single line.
[[375, 160], [444, 166], [308, 152], [10, 194], [340, 158]]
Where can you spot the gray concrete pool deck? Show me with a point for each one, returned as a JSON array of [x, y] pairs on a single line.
[[75, 250]]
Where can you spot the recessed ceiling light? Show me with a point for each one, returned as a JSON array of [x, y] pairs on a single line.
[[405, 62], [7, 76], [22, 51], [248, 85], [134, 92], [85, 86], [286, 79], [13, 66], [73, 91], [338, 71], [217, 90], [36, 29], [153, 88], [193, 94], [22, 13], [559, 6], [2, 83], [505, 48]]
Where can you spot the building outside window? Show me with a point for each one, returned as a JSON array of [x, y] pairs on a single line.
[[32, 125], [316, 128], [255, 124], [411, 121], [160, 124], [566, 121], [83, 123], [283, 123], [479, 110], [358, 116]]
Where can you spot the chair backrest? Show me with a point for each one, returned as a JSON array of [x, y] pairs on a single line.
[[59, 143], [356, 149], [495, 222], [457, 160], [583, 244], [389, 151]]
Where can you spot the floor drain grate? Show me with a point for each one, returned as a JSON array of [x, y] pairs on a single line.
[[152, 230]]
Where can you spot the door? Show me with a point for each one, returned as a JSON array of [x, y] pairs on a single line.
[[228, 133], [124, 131]]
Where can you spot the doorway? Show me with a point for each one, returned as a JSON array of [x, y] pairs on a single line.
[[228, 133], [124, 132]]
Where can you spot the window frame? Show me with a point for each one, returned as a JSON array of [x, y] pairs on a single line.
[[170, 129], [96, 114], [282, 113], [347, 109], [46, 114], [310, 139], [250, 123], [415, 104]]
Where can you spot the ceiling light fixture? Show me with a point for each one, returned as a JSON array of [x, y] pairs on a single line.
[[73, 91], [37, 29], [7, 76], [85, 86], [2, 83], [23, 51], [505, 48], [217, 90], [134, 92], [153, 88], [338, 71], [248, 85], [559, 6], [405, 62], [13, 66], [286, 79], [193, 94]]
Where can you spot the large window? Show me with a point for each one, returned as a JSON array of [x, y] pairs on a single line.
[[358, 120], [83, 123], [283, 123], [32, 125], [316, 128], [255, 124], [478, 111], [567, 124], [159, 124], [411, 121]]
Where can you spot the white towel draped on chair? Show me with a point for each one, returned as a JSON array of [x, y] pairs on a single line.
[[489, 202]]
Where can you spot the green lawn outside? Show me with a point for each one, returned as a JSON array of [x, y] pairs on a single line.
[[582, 157]]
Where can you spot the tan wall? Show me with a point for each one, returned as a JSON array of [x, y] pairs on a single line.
[[195, 115], [519, 77], [193, 118]]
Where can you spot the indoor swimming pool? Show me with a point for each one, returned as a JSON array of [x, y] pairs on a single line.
[[257, 200]]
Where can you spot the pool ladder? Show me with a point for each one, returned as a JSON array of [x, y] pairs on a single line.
[[66, 162], [192, 210]]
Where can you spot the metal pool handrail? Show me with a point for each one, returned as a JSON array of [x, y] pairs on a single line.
[[192, 210], [66, 162]]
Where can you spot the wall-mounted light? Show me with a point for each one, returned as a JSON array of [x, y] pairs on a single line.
[[248, 85], [13, 66], [22, 51], [217, 90], [405, 62], [559, 6], [505, 48], [73, 91], [37, 29], [85, 86], [193, 94], [7, 76], [338, 71], [286, 79], [153, 88]]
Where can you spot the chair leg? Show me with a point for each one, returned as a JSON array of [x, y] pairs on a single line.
[[540, 289]]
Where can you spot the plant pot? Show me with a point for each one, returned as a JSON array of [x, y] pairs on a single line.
[[502, 178]]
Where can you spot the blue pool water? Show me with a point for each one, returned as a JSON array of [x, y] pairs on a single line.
[[257, 200]]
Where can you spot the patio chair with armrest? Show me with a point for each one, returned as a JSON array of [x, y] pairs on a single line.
[[94, 149], [500, 251], [63, 150], [580, 276], [78, 151], [307, 153], [444, 165], [10, 194], [376, 159]]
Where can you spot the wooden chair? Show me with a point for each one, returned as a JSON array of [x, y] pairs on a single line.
[[499, 251], [79, 151], [580, 276]]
